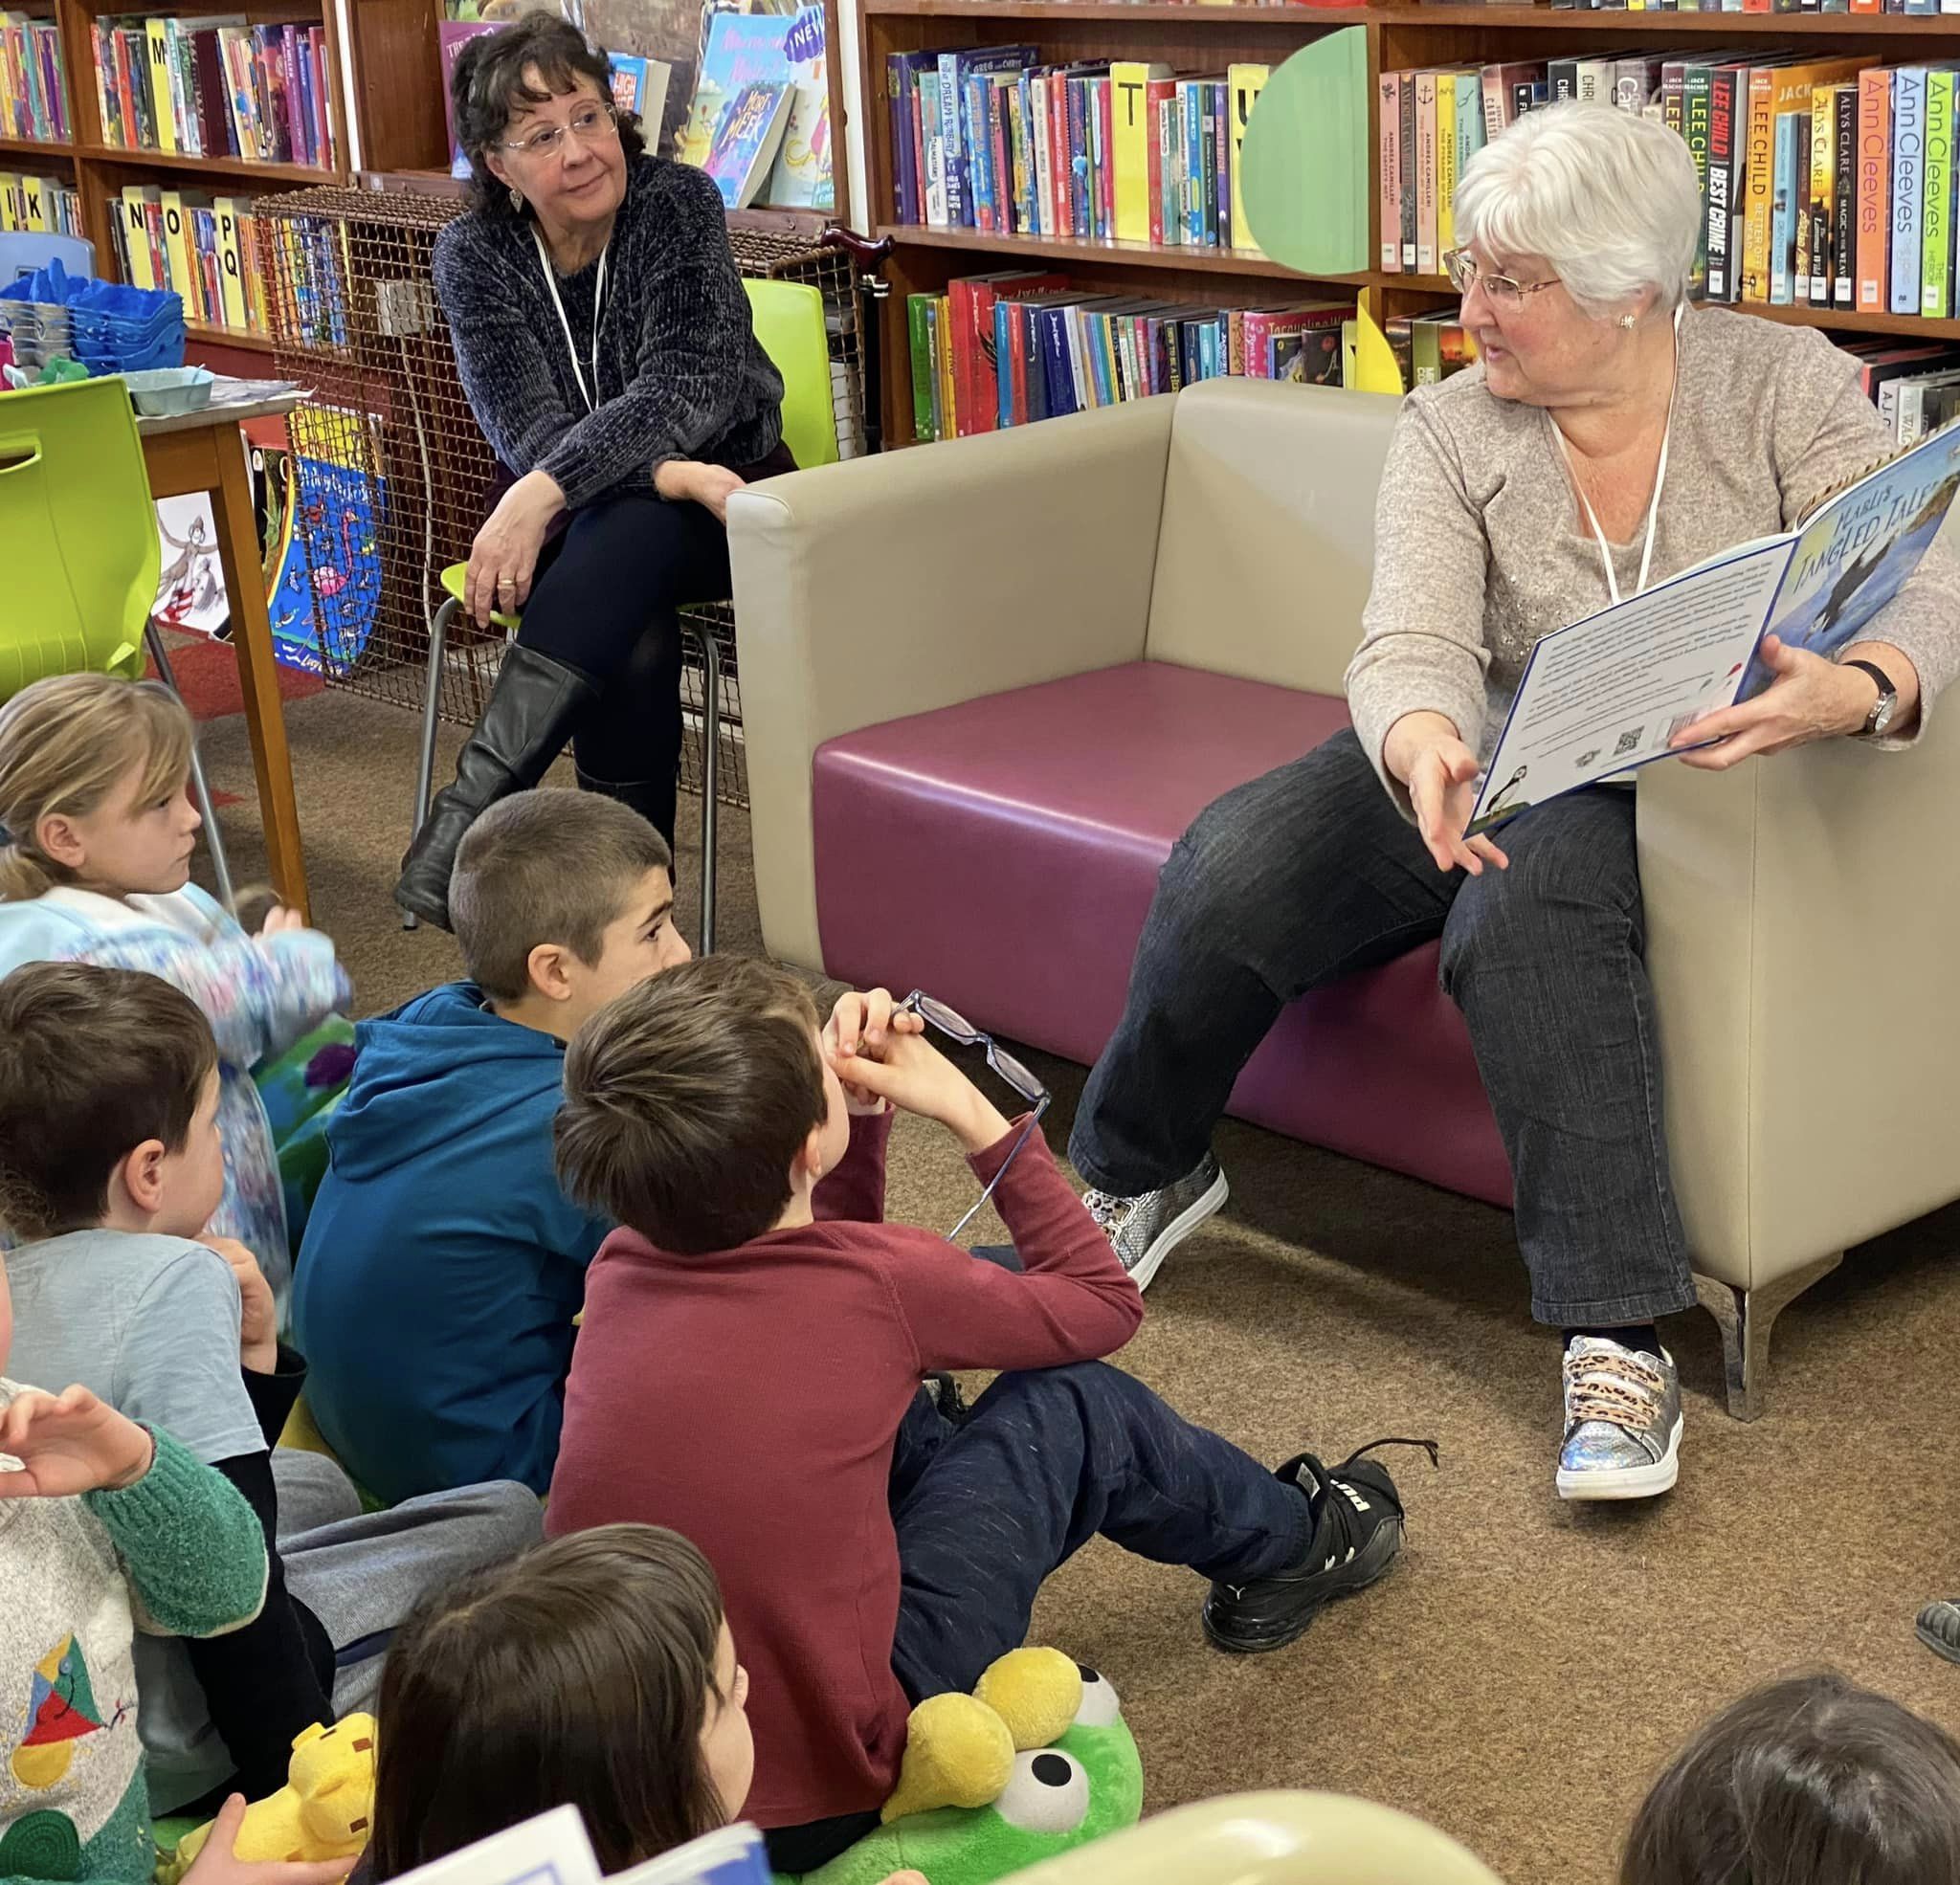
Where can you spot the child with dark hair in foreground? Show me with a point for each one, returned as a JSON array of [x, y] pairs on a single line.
[[596, 1671], [1811, 1780], [748, 1370]]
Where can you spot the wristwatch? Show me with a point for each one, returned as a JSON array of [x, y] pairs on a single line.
[[1883, 707]]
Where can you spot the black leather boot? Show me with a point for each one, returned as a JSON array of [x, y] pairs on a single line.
[[532, 710], [649, 797]]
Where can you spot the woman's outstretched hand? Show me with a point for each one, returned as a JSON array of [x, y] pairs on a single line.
[[504, 556], [1809, 698], [1423, 751], [687, 480]]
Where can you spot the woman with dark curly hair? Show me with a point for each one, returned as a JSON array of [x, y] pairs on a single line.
[[604, 343]]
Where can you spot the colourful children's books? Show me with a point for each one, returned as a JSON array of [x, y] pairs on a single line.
[[745, 140]]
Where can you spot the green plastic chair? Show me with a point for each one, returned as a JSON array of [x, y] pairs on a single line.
[[788, 318], [82, 556]]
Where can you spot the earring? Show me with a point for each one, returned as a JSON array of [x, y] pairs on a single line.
[[1625, 320], [517, 205]]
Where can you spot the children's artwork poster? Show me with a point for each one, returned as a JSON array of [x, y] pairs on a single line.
[[190, 587], [326, 585]]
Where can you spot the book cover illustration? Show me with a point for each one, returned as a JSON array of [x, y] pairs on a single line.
[[190, 586], [1857, 550], [327, 585], [451, 37], [639, 88], [737, 50], [746, 137], [801, 179]]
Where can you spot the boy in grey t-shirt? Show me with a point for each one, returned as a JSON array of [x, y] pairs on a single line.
[[110, 1165]]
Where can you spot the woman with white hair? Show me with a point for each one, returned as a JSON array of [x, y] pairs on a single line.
[[1609, 436]]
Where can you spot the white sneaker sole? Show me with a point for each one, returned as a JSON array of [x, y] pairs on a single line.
[[1627, 1481], [1179, 1229]]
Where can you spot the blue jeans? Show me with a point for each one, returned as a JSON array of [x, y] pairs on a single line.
[[1310, 872]]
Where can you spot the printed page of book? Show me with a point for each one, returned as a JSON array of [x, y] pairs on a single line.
[[550, 1849], [1608, 692]]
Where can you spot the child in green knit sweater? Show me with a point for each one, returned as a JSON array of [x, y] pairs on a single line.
[[104, 1527]]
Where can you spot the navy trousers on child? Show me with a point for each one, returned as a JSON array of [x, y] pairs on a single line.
[[984, 1511]]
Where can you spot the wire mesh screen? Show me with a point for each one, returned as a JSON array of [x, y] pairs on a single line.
[[392, 475]]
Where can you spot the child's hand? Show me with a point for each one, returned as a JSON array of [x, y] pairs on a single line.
[[858, 1027], [218, 1864], [282, 921], [70, 1443], [916, 1078], [259, 1322]]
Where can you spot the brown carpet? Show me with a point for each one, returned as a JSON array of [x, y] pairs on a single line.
[[1529, 1664]]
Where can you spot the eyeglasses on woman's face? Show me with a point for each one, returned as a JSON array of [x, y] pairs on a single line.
[[1504, 293], [589, 123]]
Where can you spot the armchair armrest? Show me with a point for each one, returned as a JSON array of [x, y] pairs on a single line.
[[897, 584], [1800, 914]]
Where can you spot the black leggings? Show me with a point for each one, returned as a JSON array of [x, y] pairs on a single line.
[[605, 601]]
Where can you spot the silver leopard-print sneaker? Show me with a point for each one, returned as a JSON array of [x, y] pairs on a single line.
[[1145, 1229], [1622, 1422]]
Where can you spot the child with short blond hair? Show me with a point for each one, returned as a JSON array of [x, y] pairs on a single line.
[[96, 830]]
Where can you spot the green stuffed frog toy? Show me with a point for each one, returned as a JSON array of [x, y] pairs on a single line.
[[1035, 1761]]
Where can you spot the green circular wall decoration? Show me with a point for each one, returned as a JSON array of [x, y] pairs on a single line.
[[1305, 158]]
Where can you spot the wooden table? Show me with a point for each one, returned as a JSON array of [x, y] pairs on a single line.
[[205, 452]]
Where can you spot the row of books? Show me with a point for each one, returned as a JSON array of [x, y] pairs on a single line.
[[995, 140], [215, 88], [43, 206], [207, 249], [34, 97], [1914, 384], [1009, 348], [1825, 183]]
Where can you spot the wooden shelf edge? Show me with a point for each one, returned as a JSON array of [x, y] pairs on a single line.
[[229, 167], [1195, 12], [1134, 254], [36, 147], [199, 334]]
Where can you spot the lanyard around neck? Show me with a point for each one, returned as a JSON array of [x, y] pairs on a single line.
[[598, 308], [1659, 480]]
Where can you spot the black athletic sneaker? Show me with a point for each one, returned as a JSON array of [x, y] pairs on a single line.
[[1357, 1532]]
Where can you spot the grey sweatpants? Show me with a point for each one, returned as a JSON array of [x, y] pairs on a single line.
[[359, 1573]]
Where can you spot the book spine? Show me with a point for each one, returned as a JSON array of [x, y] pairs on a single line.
[[1936, 209], [1000, 156], [1130, 89], [1408, 171], [1697, 100], [1446, 150], [1800, 213], [1759, 182], [1843, 195], [1246, 82], [1167, 170], [1721, 171], [899, 138], [1221, 165], [1155, 98], [1425, 173], [1908, 160], [1823, 154], [1106, 158], [1874, 187], [977, 144], [1388, 167], [957, 215]]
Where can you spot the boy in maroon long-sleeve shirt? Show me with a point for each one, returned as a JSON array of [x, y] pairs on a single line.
[[749, 1368]]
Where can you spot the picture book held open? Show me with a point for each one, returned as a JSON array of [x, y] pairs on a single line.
[[1609, 693]]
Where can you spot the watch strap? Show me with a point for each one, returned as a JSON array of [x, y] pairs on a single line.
[[1888, 695]]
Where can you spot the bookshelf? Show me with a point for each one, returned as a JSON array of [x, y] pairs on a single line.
[[1194, 36], [394, 55]]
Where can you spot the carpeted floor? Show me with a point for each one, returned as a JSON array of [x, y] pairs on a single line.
[[1529, 1664]]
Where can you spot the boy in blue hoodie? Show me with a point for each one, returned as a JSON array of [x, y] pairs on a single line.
[[441, 1266]]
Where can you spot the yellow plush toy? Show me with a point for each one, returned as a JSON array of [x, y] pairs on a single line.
[[324, 1810]]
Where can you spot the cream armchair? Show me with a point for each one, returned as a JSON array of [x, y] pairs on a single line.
[[1802, 911]]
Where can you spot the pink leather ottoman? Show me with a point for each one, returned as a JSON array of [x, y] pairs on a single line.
[[1002, 853]]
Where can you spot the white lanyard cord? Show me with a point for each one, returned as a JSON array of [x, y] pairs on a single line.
[[1659, 480], [598, 308]]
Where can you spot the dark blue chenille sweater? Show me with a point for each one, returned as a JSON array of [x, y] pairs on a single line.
[[681, 374]]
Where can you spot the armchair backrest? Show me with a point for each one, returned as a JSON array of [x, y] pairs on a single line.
[[1267, 541]]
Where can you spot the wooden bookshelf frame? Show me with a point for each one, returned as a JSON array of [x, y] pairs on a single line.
[[1201, 37]]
